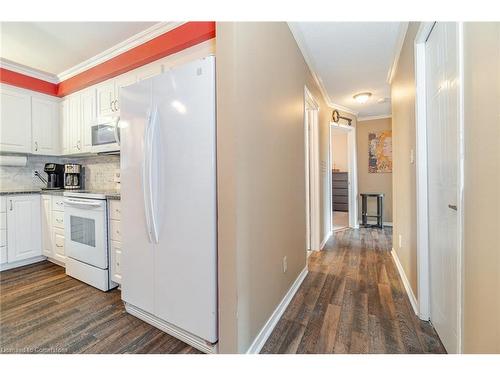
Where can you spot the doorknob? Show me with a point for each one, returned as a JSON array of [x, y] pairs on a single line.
[[452, 206]]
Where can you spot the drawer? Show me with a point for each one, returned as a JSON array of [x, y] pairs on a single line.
[[58, 219], [3, 220], [3, 237], [3, 254], [115, 209], [3, 203], [58, 236], [57, 203], [114, 228]]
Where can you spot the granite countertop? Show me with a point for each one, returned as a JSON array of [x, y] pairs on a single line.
[[109, 195]]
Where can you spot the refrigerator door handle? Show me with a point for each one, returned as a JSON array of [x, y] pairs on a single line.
[[146, 176], [153, 159]]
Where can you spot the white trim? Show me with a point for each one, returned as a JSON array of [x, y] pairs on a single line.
[[325, 240], [370, 118], [172, 330], [406, 283], [132, 42], [268, 327], [303, 49], [403, 27], [421, 173], [56, 262], [26, 70], [20, 263]]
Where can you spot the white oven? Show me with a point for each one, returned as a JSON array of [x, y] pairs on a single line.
[[86, 240]]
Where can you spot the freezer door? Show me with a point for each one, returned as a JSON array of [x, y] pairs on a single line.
[[185, 204], [137, 247]]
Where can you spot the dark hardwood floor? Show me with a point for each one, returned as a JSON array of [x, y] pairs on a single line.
[[44, 311], [352, 301]]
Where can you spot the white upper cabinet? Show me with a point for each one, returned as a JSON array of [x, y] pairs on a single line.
[[106, 98], [75, 128], [23, 227], [88, 116], [15, 121], [45, 126], [65, 127]]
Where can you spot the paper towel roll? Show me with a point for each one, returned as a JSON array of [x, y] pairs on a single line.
[[13, 161]]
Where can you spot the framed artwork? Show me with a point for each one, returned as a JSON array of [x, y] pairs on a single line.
[[380, 152]]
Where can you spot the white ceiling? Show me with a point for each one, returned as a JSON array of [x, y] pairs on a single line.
[[351, 57], [54, 47]]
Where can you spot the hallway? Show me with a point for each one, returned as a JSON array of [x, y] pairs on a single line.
[[352, 301]]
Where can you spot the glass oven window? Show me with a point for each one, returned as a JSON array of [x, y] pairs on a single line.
[[82, 230]]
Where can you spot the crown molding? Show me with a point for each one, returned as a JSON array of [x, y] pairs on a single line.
[[303, 49], [27, 71], [368, 118], [403, 28], [132, 42]]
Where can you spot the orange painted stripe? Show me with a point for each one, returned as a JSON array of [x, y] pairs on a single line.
[[27, 82], [182, 37]]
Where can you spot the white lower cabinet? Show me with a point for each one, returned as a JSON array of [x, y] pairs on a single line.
[[3, 230], [115, 245], [47, 244], [53, 228], [59, 253], [23, 227]]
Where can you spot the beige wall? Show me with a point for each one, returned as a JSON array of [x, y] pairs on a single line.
[[261, 194], [482, 188], [339, 152], [373, 182], [403, 141]]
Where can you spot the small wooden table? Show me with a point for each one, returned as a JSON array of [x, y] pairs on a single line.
[[380, 209]]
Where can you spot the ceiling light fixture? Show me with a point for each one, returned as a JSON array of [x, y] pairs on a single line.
[[362, 97]]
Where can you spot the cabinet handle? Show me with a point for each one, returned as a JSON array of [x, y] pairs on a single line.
[[115, 105], [78, 145], [11, 207], [59, 245], [36, 146]]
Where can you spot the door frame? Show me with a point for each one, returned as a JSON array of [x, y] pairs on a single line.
[[423, 258], [353, 173], [312, 175]]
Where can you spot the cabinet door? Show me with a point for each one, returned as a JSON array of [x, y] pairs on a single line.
[[75, 131], [120, 82], [45, 126], [105, 98], [15, 121], [46, 208], [65, 127], [88, 116], [116, 255], [148, 72], [23, 227], [58, 238]]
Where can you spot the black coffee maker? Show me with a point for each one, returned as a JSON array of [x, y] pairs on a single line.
[[55, 173]]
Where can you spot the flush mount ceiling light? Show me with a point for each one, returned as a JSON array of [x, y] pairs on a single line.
[[362, 97]]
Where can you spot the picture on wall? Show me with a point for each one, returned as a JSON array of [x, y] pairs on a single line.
[[380, 152]]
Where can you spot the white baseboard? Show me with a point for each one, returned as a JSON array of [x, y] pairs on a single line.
[[406, 283], [20, 263], [172, 330], [266, 330], [325, 240]]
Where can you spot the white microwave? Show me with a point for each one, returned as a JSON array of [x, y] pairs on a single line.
[[105, 135]]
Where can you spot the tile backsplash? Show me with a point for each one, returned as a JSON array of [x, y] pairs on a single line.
[[100, 172]]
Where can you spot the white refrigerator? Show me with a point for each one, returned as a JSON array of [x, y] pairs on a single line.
[[168, 199]]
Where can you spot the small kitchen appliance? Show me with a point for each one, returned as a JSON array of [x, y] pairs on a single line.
[[55, 176], [72, 176]]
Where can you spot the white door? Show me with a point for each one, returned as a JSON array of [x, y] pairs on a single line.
[[15, 121], [442, 83], [138, 249], [88, 116], [46, 208], [85, 231], [185, 204], [105, 98], [45, 126], [23, 227]]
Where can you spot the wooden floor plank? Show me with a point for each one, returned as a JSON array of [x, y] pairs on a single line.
[[353, 301], [42, 310]]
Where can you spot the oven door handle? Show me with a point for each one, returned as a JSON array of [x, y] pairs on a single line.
[[76, 202]]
